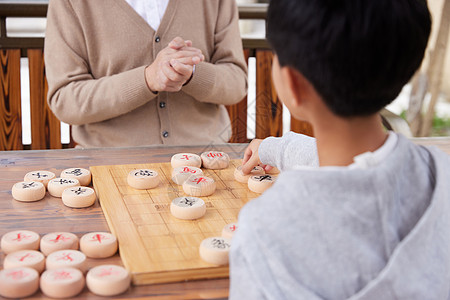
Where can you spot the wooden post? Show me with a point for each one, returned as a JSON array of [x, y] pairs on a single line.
[[238, 116], [269, 110], [45, 127], [10, 106], [416, 98]]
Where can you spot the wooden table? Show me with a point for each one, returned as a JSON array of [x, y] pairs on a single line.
[[50, 215]]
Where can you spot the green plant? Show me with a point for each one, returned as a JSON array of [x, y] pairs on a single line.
[[440, 126]]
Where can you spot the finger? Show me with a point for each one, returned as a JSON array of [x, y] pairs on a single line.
[[188, 43], [247, 154], [183, 69], [267, 168], [195, 51], [187, 51], [250, 164], [177, 43], [165, 84], [182, 52], [170, 73], [188, 60], [196, 60]]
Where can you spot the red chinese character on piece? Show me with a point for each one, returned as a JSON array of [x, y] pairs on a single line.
[[184, 156], [213, 155], [17, 275], [107, 272], [66, 257], [21, 236], [233, 227], [200, 180], [62, 275], [25, 256], [98, 238], [60, 238], [189, 170]]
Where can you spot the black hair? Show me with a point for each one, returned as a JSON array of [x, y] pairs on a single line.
[[358, 54]]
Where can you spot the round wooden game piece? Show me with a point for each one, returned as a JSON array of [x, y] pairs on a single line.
[[98, 244], [41, 176], [180, 174], [83, 175], [199, 186], [108, 280], [19, 240], [215, 250], [66, 259], [18, 282], [260, 183], [143, 179], [215, 160], [56, 241], [28, 191], [188, 208], [229, 230], [25, 258], [239, 176], [57, 186], [78, 197], [62, 282], [186, 159]]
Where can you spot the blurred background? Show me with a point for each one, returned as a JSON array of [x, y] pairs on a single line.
[[426, 99]]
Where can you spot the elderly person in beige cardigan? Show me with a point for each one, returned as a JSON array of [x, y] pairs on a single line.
[[133, 72]]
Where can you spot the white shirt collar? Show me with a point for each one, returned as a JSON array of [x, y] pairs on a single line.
[[152, 11], [370, 159]]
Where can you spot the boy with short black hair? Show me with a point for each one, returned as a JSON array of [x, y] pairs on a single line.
[[356, 212]]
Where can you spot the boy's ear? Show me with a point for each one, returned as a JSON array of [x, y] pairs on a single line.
[[297, 84]]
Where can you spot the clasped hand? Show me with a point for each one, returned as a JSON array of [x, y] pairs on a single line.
[[173, 66]]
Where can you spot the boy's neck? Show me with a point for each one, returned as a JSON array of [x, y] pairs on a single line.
[[340, 140]]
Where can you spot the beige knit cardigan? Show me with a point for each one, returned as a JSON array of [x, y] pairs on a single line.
[[96, 53]]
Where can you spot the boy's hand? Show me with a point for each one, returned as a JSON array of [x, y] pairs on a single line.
[[251, 157]]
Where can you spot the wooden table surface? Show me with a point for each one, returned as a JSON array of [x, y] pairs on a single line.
[[51, 215]]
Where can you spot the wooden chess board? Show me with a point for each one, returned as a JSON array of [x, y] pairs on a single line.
[[155, 246]]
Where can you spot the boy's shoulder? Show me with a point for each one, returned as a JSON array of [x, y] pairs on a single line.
[[308, 190], [335, 221]]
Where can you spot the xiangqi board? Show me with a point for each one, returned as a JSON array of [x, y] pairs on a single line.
[[155, 246]]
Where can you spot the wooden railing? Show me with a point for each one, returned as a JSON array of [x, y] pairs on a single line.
[[45, 127]]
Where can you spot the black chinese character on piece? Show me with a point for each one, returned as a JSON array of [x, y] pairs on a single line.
[[39, 175], [187, 201], [144, 173], [64, 181], [76, 172], [220, 244], [264, 177], [28, 185], [79, 191]]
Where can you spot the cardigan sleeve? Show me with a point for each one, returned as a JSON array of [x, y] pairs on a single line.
[[74, 95], [223, 79]]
